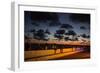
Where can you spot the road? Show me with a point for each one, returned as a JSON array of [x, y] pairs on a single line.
[[62, 56], [79, 55]]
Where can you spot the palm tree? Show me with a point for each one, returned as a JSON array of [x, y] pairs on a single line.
[[40, 34], [85, 36], [59, 34], [47, 31], [71, 33], [67, 38]]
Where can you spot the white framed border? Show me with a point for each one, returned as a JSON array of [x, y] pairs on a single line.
[[17, 51]]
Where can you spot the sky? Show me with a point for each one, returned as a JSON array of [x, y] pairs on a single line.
[[53, 21]]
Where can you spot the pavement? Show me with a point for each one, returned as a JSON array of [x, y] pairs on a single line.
[[79, 55], [60, 56]]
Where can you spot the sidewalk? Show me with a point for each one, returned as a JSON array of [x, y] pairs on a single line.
[[52, 56]]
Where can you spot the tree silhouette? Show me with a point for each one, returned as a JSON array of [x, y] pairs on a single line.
[[85, 36], [76, 39], [59, 34], [40, 35], [67, 38], [60, 31], [47, 31], [71, 33]]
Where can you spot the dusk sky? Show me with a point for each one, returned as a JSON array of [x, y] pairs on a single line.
[[79, 23]]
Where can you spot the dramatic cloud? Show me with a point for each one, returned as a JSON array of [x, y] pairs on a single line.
[[60, 31], [59, 34], [47, 31], [40, 34], [43, 16], [35, 24], [67, 26], [85, 36], [82, 27], [71, 32], [54, 23], [80, 17]]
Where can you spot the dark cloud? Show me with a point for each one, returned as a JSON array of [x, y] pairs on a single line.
[[60, 31], [67, 38], [54, 23], [35, 24], [59, 34], [80, 17], [42, 16], [71, 32], [26, 17], [33, 31], [67, 26], [40, 34], [47, 31], [64, 25], [85, 36], [82, 27]]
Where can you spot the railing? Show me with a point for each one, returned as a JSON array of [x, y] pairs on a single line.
[[46, 46]]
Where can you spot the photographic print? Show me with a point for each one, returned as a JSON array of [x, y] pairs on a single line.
[[56, 36]]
